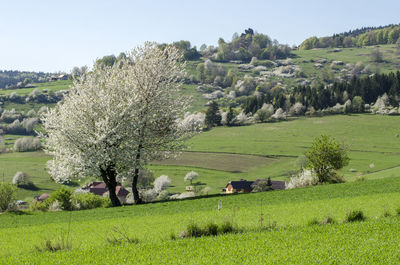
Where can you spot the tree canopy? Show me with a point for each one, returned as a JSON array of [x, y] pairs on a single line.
[[326, 156], [117, 118]]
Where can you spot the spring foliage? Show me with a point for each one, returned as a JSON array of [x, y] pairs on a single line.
[[325, 156], [117, 118]]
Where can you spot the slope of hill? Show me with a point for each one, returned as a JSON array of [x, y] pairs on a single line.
[[252, 152], [291, 240]]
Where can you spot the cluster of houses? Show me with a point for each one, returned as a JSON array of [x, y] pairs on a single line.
[[241, 186]]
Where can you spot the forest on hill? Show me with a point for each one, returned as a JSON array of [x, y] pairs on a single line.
[[356, 38]]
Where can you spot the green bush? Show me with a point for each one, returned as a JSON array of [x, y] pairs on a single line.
[[83, 201], [226, 227], [211, 229], [7, 196], [38, 206], [193, 230], [64, 198], [354, 216]]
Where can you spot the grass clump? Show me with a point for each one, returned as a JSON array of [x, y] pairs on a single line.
[[62, 243], [386, 213], [328, 220], [354, 216], [119, 235], [325, 221], [210, 229], [313, 221]]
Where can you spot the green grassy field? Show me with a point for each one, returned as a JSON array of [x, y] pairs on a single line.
[[258, 151], [292, 241], [49, 86]]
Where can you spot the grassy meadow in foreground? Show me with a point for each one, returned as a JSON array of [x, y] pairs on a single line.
[[374, 240]]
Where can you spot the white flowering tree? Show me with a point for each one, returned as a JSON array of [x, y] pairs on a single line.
[[116, 119], [190, 176]]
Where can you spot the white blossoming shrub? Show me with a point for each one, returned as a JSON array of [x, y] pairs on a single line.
[[264, 113], [148, 195], [297, 109], [162, 183], [279, 115], [20, 178], [193, 121], [242, 119], [163, 195], [381, 104], [305, 178], [27, 144]]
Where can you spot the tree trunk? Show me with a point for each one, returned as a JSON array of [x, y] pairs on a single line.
[[135, 191], [109, 176]]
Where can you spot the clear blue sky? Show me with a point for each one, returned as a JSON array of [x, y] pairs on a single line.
[[56, 35]]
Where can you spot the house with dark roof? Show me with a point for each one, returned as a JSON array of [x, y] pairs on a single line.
[[247, 186], [239, 186], [100, 188]]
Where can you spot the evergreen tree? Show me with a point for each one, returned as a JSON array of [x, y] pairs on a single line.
[[230, 116], [213, 117]]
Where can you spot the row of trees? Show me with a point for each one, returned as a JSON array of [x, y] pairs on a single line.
[[367, 88], [361, 37]]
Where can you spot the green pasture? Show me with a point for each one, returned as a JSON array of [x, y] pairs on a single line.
[[49, 86], [292, 241], [252, 152], [390, 56]]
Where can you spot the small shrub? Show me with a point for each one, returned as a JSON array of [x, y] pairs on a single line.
[[38, 206], [303, 179], [7, 196], [27, 144], [226, 227], [84, 201], [354, 216], [193, 230], [20, 178], [53, 245], [211, 229], [63, 196]]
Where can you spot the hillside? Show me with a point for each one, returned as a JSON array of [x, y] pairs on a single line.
[[266, 149], [291, 240], [251, 152]]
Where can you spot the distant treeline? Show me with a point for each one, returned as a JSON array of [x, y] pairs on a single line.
[[242, 48], [10, 79], [359, 37], [248, 45], [320, 97]]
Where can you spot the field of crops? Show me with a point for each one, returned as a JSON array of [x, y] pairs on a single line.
[[292, 241]]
